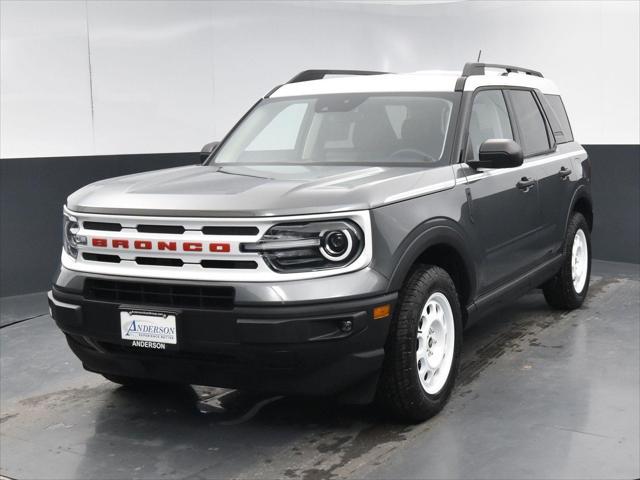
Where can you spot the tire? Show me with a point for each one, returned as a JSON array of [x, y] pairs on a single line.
[[568, 288], [402, 390]]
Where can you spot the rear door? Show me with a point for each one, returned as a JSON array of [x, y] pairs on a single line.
[[538, 146], [557, 180], [505, 208]]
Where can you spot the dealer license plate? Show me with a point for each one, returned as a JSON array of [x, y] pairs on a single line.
[[148, 329]]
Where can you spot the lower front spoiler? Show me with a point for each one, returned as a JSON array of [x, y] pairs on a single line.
[[352, 377], [264, 349]]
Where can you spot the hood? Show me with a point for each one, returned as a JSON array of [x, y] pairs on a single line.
[[249, 190]]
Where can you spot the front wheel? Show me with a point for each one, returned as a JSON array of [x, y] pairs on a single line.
[[423, 349], [568, 288]]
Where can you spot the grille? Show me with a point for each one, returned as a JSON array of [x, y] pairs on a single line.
[[104, 226], [99, 257], [173, 262], [161, 229], [164, 262], [238, 264], [199, 250], [188, 296], [230, 230], [172, 229]]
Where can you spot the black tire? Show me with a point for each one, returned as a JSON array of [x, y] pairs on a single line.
[[400, 392], [559, 291]]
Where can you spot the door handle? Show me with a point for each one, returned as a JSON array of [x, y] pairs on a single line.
[[525, 184], [564, 173]]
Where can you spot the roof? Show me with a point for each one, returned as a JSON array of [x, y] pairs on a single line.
[[421, 81]]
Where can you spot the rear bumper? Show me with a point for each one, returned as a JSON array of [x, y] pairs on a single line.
[[293, 349]]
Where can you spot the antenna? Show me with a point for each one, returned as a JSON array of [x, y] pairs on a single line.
[[479, 54]]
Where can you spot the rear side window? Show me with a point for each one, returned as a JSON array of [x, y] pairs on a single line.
[[558, 119], [533, 132]]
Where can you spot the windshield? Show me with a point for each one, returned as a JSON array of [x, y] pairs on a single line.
[[343, 128]]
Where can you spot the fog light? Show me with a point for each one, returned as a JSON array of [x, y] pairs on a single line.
[[346, 325]]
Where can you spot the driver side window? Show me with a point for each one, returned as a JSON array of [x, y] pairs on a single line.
[[489, 119]]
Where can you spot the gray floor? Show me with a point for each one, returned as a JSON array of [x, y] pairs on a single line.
[[541, 394]]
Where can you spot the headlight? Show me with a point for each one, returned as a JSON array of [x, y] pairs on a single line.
[[70, 237], [295, 247]]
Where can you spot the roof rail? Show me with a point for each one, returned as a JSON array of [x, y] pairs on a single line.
[[307, 75], [472, 69], [478, 69]]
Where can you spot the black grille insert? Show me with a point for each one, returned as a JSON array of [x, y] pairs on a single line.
[[165, 262], [100, 257], [234, 264], [161, 229], [104, 226], [188, 296], [230, 230]]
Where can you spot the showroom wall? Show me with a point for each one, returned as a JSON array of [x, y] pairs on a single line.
[[91, 89]]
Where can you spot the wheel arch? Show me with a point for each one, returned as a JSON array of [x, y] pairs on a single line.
[[438, 242], [582, 203]]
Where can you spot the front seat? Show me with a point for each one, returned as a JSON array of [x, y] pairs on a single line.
[[423, 134], [373, 136]]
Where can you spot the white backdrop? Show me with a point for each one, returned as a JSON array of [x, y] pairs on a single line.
[[113, 77]]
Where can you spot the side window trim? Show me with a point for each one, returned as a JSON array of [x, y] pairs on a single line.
[[552, 138], [552, 144], [515, 126]]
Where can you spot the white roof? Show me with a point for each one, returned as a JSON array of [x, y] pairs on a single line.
[[422, 81]]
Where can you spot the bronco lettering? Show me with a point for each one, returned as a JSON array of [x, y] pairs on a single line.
[[160, 245]]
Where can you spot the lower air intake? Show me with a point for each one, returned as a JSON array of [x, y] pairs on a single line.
[[167, 295]]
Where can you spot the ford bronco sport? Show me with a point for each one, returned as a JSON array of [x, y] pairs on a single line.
[[336, 242]]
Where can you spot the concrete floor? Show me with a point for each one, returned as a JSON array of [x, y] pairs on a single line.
[[541, 394]]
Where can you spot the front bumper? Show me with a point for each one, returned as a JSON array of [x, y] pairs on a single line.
[[270, 346]]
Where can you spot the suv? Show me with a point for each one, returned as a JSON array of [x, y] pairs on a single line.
[[336, 242]]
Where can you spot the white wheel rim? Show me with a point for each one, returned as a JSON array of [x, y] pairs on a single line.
[[435, 343], [579, 261]]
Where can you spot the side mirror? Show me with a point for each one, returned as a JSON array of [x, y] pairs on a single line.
[[207, 150], [498, 153]]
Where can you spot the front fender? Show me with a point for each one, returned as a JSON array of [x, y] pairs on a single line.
[[439, 231]]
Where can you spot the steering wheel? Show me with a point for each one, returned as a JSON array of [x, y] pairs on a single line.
[[408, 151]]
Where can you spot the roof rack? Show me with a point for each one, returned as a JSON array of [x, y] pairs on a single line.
[[307, 75], [478, 69], [472, 69]]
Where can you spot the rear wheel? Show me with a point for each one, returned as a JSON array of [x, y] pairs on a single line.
[[568, 288], [423, 349]]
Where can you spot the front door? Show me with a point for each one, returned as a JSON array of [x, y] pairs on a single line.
[[505, 206]]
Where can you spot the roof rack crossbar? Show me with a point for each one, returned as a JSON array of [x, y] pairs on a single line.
[[479, 69], [307, 75]]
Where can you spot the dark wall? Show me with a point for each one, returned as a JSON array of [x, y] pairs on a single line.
[[616, 199], [32, 193], [33, 190]]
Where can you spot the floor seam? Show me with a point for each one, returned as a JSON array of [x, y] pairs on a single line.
[[15, 322]]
